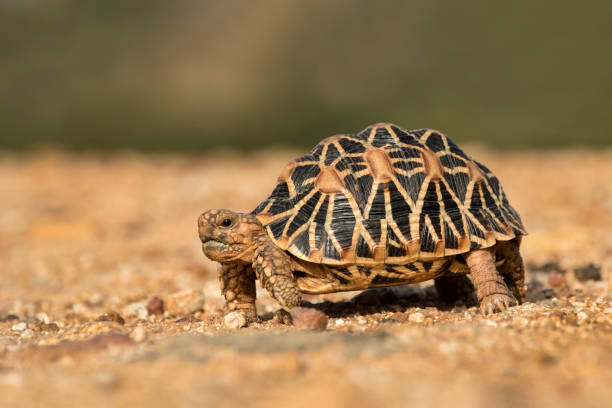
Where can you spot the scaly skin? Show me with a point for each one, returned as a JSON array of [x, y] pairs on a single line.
[[238, 287], [491, 289], [273, 269], [241, 245]]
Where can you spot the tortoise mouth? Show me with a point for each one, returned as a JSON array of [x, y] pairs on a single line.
[[211, 244]]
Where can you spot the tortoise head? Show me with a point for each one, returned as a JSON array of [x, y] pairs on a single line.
[[228, 236]]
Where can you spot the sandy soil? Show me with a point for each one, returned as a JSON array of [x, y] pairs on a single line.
[[90, 244]]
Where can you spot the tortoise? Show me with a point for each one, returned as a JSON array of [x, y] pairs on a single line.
[[382, 207]]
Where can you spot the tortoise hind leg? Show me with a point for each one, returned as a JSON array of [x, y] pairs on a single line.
[[513, 268], [491, 289], [452, 288]]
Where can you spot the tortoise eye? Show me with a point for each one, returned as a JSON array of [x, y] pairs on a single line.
[[227, 222]]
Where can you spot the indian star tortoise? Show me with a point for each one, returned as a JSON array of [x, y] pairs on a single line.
[[382, 207]]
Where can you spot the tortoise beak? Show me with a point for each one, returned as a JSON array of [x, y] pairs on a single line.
[[211, 245]]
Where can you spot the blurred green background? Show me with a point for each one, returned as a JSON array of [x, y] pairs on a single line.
[[191, 75]]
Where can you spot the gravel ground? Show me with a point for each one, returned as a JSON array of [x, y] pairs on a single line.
[[107, 300]]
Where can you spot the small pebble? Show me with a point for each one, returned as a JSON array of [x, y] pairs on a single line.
[[416, 317], [49, 327], [235, 320], [19, 326], [399, 317], [135, 309], [556, 280], [155, 306], [185, 302], [43, 317], [308, 319]]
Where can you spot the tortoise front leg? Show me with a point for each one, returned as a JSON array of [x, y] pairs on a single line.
[[273, 269], [491, 290], [238, 287]]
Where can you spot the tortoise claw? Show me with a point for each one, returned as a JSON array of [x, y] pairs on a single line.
[[496, 303]]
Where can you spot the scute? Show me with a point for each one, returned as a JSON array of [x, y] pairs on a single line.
[[387, 195]]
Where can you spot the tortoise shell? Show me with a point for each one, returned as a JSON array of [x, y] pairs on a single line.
[[386, 196]]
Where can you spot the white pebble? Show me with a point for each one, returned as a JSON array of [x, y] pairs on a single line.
[[44, 317], [416, 317], [19, 326], [235, 320], [339, 322], [138, 309]]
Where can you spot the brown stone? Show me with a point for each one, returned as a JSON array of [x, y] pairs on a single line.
[[155, 306], [49, 327], [308, 319], [399, 317], [184, 303], [556, 280]]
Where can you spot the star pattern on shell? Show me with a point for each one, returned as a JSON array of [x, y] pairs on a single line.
[[387, 195]]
